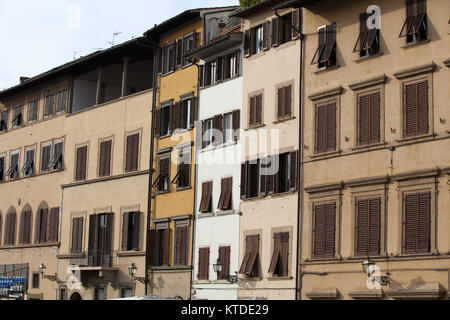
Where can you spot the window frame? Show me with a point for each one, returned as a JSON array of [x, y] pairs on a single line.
[[128, 134], [46, 95], [163, 156], [55, 142], [78, 146], [181, 224], [29, 102], [15, 114], [291, 115], [186, 149], [254, 95], [274, 231], [29, 148], [321, 103], [99, 157], [65, 102], [11, 154], [44, 145]]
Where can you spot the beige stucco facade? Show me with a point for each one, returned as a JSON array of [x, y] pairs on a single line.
[[387, 170]]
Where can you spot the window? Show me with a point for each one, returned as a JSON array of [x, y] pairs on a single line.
[[163, 121], [255, 112], [3, 120], [417, 223], [209, 73], [81, 162], [368, 227], [369, 118], [326, 128], [17, 116], [228, 127], [62, 294], [250, 179], [206, 201], [62, 101], [56, 162], [207, 132], [203, 264], [100, 240], [324, 230], [33, 110], [41, 226], [2, 167], [225, 194], [249, 265], [45, 156], [185, 121], [415, 27], [325, 55], [188, 45], [28, 167], [368, 42], [35, 281], [415, 109], [284, 102], [126, 292], [104, 167], [183, 114], [49, 105], [257, 41], [13, 171], [77, 235], [182, 178], [162, 181], [25, 228], [160, 246], [278, 173], [130, 231], [282, 31], [224, 260], [279, 261], [99, 293], [167, 58], [53, 228], [132, 153], [285, 28], [10, 229], [181, 243]]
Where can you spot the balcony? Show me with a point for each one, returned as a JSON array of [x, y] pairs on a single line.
[[95, 260]]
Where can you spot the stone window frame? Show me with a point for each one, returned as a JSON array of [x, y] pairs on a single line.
[[77, 146], [130, 209], [75, 215], [26, 149], [368, 189], [111, 160], [293, 109], [124, 154], [259, 261], [251, 95], [291, 273], [417, 182], [325, 194]]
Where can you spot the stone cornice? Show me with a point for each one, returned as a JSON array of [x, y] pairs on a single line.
[[325, 187], [368, 82], [409, 72], [326, 93]]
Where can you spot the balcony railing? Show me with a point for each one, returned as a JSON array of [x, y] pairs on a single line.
[[94, 258]]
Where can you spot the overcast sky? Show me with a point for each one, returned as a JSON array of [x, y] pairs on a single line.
[[39, 35]]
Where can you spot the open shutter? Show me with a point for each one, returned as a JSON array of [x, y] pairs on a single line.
[[270, 178], [176, 116], [363, 32], [275, 32], [126, 219], [217, 125], [410, 15], [193, 112], [236, 124], [179, 52], [160, 60], [204, 196], [265, 44], [166, 253], [254, 254], [247, 43], [93, 221], [295, 23], [224, 258], [248, 252], [244, 168], [293, 171], [284, 253], [330, 42], [223, 190], [276, 252], [157, 123], [252, 116], [263, 176], [322, 38], [227, 199]]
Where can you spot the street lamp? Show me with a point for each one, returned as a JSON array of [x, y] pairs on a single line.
[[132, 269], [367, 266], [369, 269], [218, 267], [42, 269]]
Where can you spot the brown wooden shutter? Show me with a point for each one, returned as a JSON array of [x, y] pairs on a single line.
[[275, 32], [132, 153], [223, 190], [295, 23], [322, 39], [105, 158], [321, 129], [93, 222], [417, 223], [410, 15], [157, 120], [258, 118], [203, 201], [319, 231], [135, 231], [362, 227], [288, 102], [253, 255], [266, 39], [151, 245], [281, 102], [77, 234], [330, 229], [166, 252], [217, 125], [224, 258], [424, 222], [363, 32], [193, 113], [252, 115], [228, 194], [284, 253], [176, 115], [263, 177], [179, 52], [363, 116], [184, 245], [247, 43], [374, 226], [54, 225], [43, 226], [276, 252], [270, 179], [409, 113], [177, 245], [374, 114], [236, 117], [331, 42], [248, 252], [244, 169], [293, 172], [331, 127], [422, 107], [125, 226]]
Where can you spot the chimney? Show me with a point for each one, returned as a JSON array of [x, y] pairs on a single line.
[[23, 79]]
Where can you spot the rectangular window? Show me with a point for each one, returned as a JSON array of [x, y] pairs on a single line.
[[100, 240], [285, 28], [224, 259], [77, 235], [28, 167], [17, 116], [62, 101], [185, 114], [159, 253], [3, 120], [126, 292], [326, 128], [104, 168], [81, 162], [226, 194], [188, 45], [207, 133], [417, 223], [228, 127], [56, 162], [130, 231], [132, 153], [33, 110], [182, 178], [250, 179], [257, 34], [162, 182], [35, 281], [169, 57], [45, 156], [415, 109], [279, 261], [49, 105], [415, 27], [249, 265], [325, 55], [324, 230], [369, 118], [2, 168], [206, 201], [165, 118], [14, 159], [181, 244], [368, 227], [203, 264], [284, 102], [99, 294], [368, 42], [255, 110]]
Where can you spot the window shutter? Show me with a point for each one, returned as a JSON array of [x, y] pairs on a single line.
[[184, 245], [193, 114], [177, 245], [252, 115], [322, 38], [409, 113], [293, 172], [201, 75], [248, 252], [176, 115], [331, 127], [224, 258], [209, 196], [254, 254], [295, 23], [125, 226], [160, 61], [227, 199], [409, 223], [217, 125], [263, 176], [236, 117], [151, 247], [276, 252], [54, 224], [362, 227], [77, 230], [265, 45], [374, 114], [258, 118], [244, 168], [81, 163], [374, 226], [92, 238], [247, 43], [424, 222], [132, 153], [422, 108], [43, 226], [288, 102], [135, 231], [364, 123], [319, 231], [223, 190], [330, 42], [321, 129], [330, 228], [157, 120], [363, 32], [204, 196], [166, 253], [275, 32], [179, 52], [281, 102], [270, 187], [284, 253]]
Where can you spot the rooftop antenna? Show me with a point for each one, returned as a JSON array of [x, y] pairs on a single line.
[[115, 34]]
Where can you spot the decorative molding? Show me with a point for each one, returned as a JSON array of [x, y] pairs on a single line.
[[165, 103], [183, 217], [366, 294], [327, 294], [431, 291], [161, 220], [326, 93], [165, 150], [416, 174], [367, 181], [122, 176], [131, 254], [429, 67], [368, 82], [187, 95], [325, 187], [71, 256]]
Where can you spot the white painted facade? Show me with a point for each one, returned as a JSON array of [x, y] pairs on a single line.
[[220, 228]]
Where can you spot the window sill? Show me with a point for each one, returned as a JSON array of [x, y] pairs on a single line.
[[201, 215], [131, 253], [281, 194], [413, 255], [169, 268], [324, 259], [253, 279], [183, 188], [415, 44], [253, 198], [226, 212], [369, 147], [325, 154], [365, 58], [283, 120], [222, 282], [419, 138], [167, 73], [251, 127], [253, 56], [281, 278], [180, 131], [162, 192], [319, 71], [165, 136], [29, 246], [32, 176], [286, 44]]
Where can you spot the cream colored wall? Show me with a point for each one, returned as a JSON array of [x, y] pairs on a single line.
[[345, 274]]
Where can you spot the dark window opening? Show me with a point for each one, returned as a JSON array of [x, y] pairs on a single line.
[[32, 110], [325, 55], [45, 157], [13, 171], [17, 116], [56, 162], [253, 179], [49, 105], [35, 281], [415, 27], [368, 42], [165, 121], [2, 168], [28, 168], [62, 101], [130, 231], [285, 28], [162, 182], [4, 120]]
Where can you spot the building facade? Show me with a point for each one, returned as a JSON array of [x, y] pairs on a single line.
[[376, 153]]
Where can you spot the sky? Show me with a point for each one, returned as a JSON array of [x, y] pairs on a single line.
[[37, 36]]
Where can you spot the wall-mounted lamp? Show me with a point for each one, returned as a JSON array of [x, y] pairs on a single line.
[[369, 269], [43, 269], [132, 269], [218, 267]]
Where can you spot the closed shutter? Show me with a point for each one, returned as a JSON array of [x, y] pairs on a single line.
[[321, 129], [364, 122], [125, 231], [77, 233], [228, 193], [288, 102], [266, 44], [324, 230], [224, 258], [362, 228], [54, 225], [43, 226], [203, 264], [247, 43], [293, 171], [151, 245], [28, 223], [92, 239], [331, 127], [330, 228], [276, 252], [166, 248], [183, 258], [179, 52], [176, 115], [281, 102], [417, 223], [135, 222], [132, 153], [252, 115], [107, 253], [374, 226], [259, 109], [157, 120], [422, 107], [244, 168], [236, 116], [12, 228], [416, 106], [193, 113], [275, 32], [374, 114], [105, 158], [217, 125], [81, 164], [423, 222]]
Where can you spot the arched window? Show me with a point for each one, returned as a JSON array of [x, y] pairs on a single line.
[[10, 228], [41, 223], [25, 226]]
